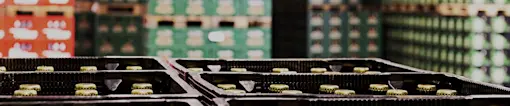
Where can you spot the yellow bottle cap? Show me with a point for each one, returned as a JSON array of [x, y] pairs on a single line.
[[446, 92], [134, 68], [195, 69], [278, 87], [25, 93], [279, 70], [360, 69], [379, 87], [45, 68], [227, 86], [328, 88], [87, 92], [35, 87], [236, 91], [426, 87], [3, 68], [372, 72], [292, 92], [88, 68], [142, 91], [318, 70], [238, 69], [85, 86], [345, 92], [396, 92], [141, 86]]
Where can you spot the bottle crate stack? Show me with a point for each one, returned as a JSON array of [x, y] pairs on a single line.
[[119, 27], [84, 18], [37, 28], [451, 39], [342, 29], [209, 28]]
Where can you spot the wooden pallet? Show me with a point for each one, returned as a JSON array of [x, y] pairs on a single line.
[[121, 9], [83, 6], [153, 21], [473, 9], [40, 11]]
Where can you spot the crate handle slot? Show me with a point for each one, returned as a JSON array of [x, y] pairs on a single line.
[[121, 9], [55, 13], [19, 12], [226, 24], [194, 23], [255, 24], [166, 23]]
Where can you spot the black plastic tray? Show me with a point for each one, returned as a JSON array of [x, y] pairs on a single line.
[[60, 85], [298, 65], [74, 64], [309, 83], [126, 102], [397, 101]]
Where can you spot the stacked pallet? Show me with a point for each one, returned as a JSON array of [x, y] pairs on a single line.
[[37, 28], [119, 27], [209, 28], [455, 37], [342, 29]]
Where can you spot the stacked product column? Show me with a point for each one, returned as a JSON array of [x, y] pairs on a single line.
[[209, 28], [119, 28], [474, 46], [340, 29], [84, 19], [38, 28]]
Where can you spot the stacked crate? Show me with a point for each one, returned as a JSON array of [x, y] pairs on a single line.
[[341, 29], [452, 39], [119, 28], [2, 26], [37, 28], [209, 28], [84, 19]]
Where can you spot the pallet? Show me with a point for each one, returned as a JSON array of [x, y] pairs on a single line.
[[177, 21], [473, 9], [40, 11], [83, 6], [121, 9]]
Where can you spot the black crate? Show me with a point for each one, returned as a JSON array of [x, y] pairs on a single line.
[[298, 65], [397, 101], [127, 102], [113, 84], [74, 64], [309, 84]]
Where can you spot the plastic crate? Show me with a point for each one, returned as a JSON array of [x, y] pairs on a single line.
[[74, 64], [257, 84], [359, 102], [298, 65], [60, 85], [128, 102]]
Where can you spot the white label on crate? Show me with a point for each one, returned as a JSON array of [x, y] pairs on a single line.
[[195, 54], [229, 40], [255, 54], [195, 38], [478, 25], [226, 54], [164, 7], [256, 7], [165, 53], [354, 20], [52, 53], [354, 34], [106, 48], [316, 2], [21, 50], [128, 48], [195, 7], [373, 20], [498, 41], [21, 30], [499, 24], [225, 7], [216, 36], [478, 74], [26, 2], [498, 58], [335, 21], [316, 35], [54, 30], [316, 49], [59, 1], [373, 48], [335, 48], [354, 48], [477, 59], [335, 2], [478, 41], [335, 35], [255, 38], [2, 34], [164, 37], [372, 33], [498, 75], [316, 21]]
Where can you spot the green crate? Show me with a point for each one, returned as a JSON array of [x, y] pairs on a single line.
[[255, 7], [84, 45], [255, 38], [226, 7], [123, 1], [165, 7], [119, 45], [226, 53], [255, 54], [194, 7], [119, 25], [84, 22], [226, 38], [165, 37], [167, 52]]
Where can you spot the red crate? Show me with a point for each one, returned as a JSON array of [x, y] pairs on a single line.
[[40, 2], [58, 2], [23, 28], [58, 49], [17, 48], [57, 28]]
